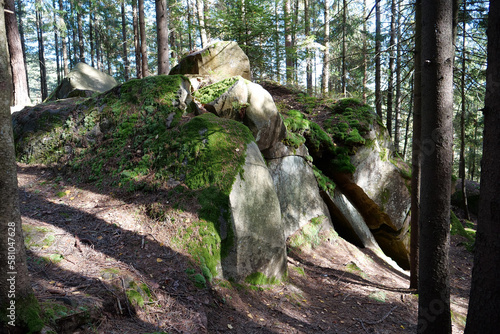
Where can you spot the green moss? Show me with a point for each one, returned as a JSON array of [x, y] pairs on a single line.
[[353, 268], [458, 229], [212, 92], [299, 270], [27, 317], [310, 235], [138, 294], [259, 278], [324, 182]]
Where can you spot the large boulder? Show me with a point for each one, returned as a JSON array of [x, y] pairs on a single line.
[[298, 193], [83, 81], [259, 242], [220, 60], [242, 100]]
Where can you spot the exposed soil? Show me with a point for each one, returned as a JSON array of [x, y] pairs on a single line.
[[86, 244]]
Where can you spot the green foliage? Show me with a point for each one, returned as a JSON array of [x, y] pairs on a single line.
[[212, 92], [324, 181], [458, 229], [259, 278]]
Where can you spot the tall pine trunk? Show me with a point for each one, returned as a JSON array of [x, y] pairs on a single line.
[[484, 302], [390, 83], [137, 43], [41, 52], [163, 36], [326, 56], [397, 106], [144, 44], [124, 41], [288, 43], [307, 30], [200, 11], [19, 310], [81, 54], [20, 92], [378, 37], [63, 42], [437, 138], [344, 33]]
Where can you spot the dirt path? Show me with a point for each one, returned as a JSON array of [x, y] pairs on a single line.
[[89, 248]]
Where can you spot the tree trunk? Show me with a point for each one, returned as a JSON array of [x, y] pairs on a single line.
[[63, 42], [378, 37], [288, 43], [91, 39], [326, 56], [436, 171], [135, 23], [397, 107], [365, 52], [56, 43], [41, 53], [200, 10], [144, 45], [344, 18], [81, 56], [416, 155], [19, 14], [190, 24], [390, 83], [484, 302], [277, 42], [461, 166], [19, 310], [163, 36], [20, 92], [307, 31], [124, 41]]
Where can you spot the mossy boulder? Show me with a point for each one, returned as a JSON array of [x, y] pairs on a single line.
[[220, 60], [83, 81], [239, 99]]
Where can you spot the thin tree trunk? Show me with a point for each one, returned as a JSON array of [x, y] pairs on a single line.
[[41, 53], [91, 39], [81, 56], [484, 302], [365, 52], [56, 43], [63, 42], [461, 167], [190, 24], [307, 31], [163, 36], [20, 92], [277, 42], [124, 41], [378, 37], [397, 107], [406, 142], [200, 11], [437, 138], [390, 83], [144, 47], [288, 43], [326, 56], [344, 18], [416, 155], [135, 23], [17, 299]]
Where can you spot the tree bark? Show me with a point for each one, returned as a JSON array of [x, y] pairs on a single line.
[[416, 156], [484, 303], [344, 18], [81, 55], [365, 52], [378, 37], [63, 42], [163, 36], [390, 83], [326, 55], [41, 53], [307, 31], [91, 39], [20, 92], [200, 11], [137, 43], [19, 310], [436, 171], [124, 41], [144, 45], [397, 106], [56, 43], [461, 165], [288, 43]]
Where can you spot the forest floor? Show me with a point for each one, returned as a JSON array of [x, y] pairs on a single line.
[[89, 247]]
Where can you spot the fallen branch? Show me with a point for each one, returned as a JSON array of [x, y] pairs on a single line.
[[375, 322]]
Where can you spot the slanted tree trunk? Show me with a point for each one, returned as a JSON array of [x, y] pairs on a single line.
[[378, 37], [41, 53], [19, 310], [326, 56], [20, 92], [137, 43], [437, 138], [484, 303], [144, 44], [163, 36], [416, 155], [124, 41]]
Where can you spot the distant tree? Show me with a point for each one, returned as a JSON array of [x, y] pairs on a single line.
[[200, 12], [19, 310], [288, 42], [163, 36], [392, 58], [484, 303], [378, 46], [124, 41], [326, 55], [20, 94], [41, 50], [137, 40], [437, 138], [63, 41], [144, 44]]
